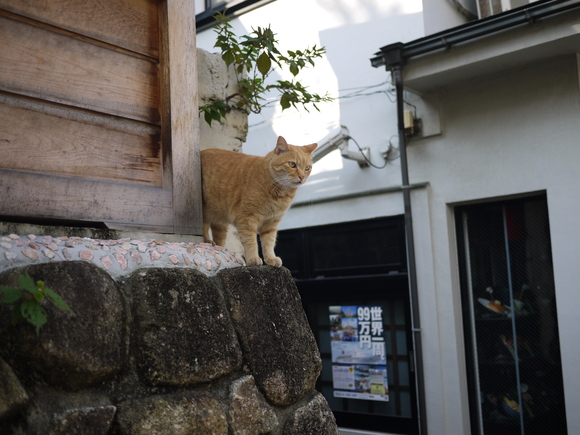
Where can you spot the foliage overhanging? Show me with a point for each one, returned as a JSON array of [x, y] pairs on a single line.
[[254, 58]]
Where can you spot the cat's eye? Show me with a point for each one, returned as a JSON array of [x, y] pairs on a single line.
[[308, 168], [292, 164]]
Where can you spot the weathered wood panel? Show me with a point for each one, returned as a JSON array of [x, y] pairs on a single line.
[[44, 196], [47, 65], [53, 140], [130, 24], [179, 44], [80, 104]]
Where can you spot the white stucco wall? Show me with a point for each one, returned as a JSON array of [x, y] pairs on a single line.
[[443, 14], [508, 134]]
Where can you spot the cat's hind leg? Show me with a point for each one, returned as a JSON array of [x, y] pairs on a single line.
[[219, 233], [206, 237]]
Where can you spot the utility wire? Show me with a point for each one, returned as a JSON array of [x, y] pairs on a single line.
[[365, 157]]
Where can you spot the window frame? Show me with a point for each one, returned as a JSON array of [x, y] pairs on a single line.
[[232, 8]]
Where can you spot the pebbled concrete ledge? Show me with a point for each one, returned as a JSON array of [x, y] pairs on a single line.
[[118, 257]]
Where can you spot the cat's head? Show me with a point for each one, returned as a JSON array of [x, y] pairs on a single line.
[[291, 165]]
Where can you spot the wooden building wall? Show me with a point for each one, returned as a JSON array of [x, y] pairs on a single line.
[[98, 113]]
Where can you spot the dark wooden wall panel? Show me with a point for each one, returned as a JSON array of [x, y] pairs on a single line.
[[47, 65], [130, 24]]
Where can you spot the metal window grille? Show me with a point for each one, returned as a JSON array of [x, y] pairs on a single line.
[[510, 318]]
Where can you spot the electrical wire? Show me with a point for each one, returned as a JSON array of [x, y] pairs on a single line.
[[413, 106], [359, 92], [364, 87], [365, 157]]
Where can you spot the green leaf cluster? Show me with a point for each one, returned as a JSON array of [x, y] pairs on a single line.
[[254, 57], [30, 294]]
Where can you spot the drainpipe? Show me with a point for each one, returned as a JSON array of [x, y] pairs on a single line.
[[392, 55]]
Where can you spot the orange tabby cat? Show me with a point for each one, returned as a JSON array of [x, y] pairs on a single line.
[[252, 193]]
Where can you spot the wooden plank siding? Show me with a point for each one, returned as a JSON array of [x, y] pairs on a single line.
[[53, 140], [50, 66], [120, 205], [98, 113], [128, 24]]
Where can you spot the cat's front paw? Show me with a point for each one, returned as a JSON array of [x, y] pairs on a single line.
[[275, 261], [254, 261]]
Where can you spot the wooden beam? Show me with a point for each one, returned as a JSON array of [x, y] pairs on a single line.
[[165, 98], [181, 64], [44, 196]]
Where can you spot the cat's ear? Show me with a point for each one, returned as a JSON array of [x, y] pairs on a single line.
[[310, 148], [281, 146]]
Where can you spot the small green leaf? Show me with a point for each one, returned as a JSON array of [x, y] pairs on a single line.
[[264, 63], [33, 313], [25, 282], [207, 116], [228, 57], [285, 101], [9, 295], [56, 300], [294, 69]]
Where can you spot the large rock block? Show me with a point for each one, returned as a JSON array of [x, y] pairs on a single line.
[[53, 412], [276, 339], [184, 334], [13, 396], [72, 350], [189, 413], [312, 418], [250, 414], [83, 421]]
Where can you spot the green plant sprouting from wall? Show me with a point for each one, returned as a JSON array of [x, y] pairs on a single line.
[[254, 59], [30, 294]]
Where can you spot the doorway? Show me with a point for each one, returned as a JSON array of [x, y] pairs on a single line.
[[510, 319]]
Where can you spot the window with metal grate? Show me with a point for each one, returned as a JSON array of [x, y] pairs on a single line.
[[355, 248], [510, 318]]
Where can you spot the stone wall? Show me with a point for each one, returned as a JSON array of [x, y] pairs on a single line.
[[162, 350], [217, 81]]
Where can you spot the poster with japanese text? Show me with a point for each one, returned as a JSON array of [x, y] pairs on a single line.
[[359, 364]]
